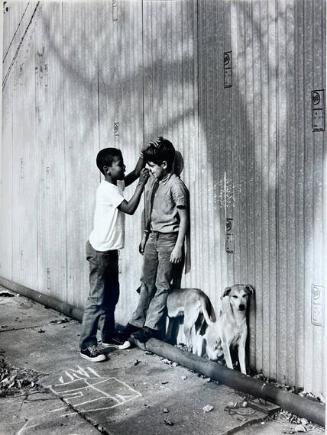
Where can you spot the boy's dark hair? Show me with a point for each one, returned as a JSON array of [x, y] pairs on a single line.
[[106, 157], [160, 150]]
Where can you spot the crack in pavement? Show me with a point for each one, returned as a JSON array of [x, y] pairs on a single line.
[[22, 328], [85, 417]]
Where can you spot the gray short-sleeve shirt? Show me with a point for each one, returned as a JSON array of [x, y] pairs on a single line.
[[170, 194]]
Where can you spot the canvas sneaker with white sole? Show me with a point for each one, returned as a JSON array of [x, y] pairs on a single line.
[[93, 353], [122, 346], [112, 342], [116, 340]]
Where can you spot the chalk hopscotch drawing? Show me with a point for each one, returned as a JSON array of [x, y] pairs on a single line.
[[87, 391]]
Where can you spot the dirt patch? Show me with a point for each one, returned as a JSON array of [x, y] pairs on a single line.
[[15, 380]]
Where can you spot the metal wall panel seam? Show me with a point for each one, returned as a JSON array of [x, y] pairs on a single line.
[[272, 184], [281, 199], [196, 89], [308, 195], [196, 263], [252, 206], [255, 312], [194, 236], [299, 194], [221, 132], [290, 193], [207, 172], [324, 183], [65, 163], [228, 141], [261, 299], [318, 157], [237, 71]]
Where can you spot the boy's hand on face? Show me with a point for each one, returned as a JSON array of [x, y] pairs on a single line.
[[176, 255], [155, 143], [144, 175]]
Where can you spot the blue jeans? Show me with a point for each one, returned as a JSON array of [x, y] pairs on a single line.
[[103, 296], [156, 279]]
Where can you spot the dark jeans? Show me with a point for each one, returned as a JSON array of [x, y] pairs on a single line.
[[156, 279], [103, 296]]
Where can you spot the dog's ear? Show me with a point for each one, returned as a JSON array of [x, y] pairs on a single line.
[[226, 291], [249, 289]]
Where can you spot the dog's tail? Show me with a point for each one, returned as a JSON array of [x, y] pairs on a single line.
[[208, 310]]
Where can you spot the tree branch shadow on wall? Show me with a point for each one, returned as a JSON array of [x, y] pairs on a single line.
[[248, 164]]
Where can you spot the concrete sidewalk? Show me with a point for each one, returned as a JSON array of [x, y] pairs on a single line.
[[134, 392]]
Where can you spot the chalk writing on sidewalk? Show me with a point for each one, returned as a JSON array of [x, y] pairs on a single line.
[[86, 391]]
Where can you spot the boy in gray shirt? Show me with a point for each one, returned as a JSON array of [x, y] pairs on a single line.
[[166, 224]]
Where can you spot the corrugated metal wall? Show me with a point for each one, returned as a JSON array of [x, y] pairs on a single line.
[[80, 77]]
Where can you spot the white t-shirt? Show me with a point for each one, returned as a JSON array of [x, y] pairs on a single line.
[[109, 222]]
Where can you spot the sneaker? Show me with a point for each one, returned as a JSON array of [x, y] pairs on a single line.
[[92, 353], [130, 329], [126, 344], [115, 340], [145, 334]]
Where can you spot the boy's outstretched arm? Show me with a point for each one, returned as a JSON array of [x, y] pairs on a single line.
[[177, 253], [130, 206], [134, 175]]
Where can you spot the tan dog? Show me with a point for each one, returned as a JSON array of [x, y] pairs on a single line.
[[190, 303], [230, 328]]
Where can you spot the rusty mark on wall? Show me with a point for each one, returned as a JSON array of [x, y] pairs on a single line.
[[21, 259], [47, 177], [21, 168], [48, 278], [114, 10]]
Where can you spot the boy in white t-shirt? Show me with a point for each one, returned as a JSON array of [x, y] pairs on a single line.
[[106, 238]]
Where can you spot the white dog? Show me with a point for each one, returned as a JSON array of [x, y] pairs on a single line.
[[230, 329]]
